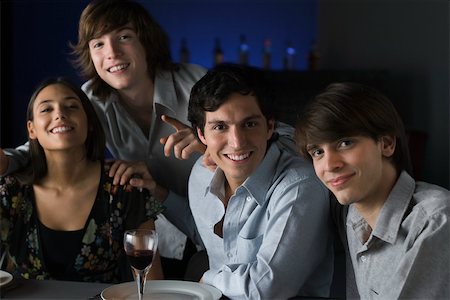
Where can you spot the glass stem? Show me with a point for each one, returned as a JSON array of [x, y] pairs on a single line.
[[140, 279]]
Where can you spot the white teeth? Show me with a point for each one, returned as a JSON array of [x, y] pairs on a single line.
[[61, 129], [117, 68], [238, 157]]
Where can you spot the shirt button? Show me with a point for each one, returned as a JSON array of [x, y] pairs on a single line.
[[363, 258], [229, 255], [248, 198]]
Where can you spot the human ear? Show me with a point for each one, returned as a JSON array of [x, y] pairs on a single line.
[[31, 130], [388, 144], [201, 136], [270, 128]]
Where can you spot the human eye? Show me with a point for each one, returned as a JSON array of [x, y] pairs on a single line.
[[73, 103], [124, 37], [345, 143], [219, 127], [251, 124], [95, 44], [315, 152], [74, 106], [45, 108]]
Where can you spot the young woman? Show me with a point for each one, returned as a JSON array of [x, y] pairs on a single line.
[[61, 217]]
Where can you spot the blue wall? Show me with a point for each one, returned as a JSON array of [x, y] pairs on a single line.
[[200, 22]]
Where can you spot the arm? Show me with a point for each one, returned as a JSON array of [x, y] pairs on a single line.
[[142, 211], [124, 173], [179, 213], [286, 137], [12, 160], [423, 271], [11, 217], [177, 207], [296, 247]]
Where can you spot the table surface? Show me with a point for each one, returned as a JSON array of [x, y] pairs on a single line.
[[53, 289]]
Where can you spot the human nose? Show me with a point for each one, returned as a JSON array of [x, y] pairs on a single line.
[[332, 161], [112, 49], [60, 113], [237, 138]]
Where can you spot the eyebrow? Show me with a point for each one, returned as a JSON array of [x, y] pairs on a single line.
[[249, 118], [52, 100], [310, 147], [126, 27]]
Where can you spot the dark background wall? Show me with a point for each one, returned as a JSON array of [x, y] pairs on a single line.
[[410, 40], [407, 40]]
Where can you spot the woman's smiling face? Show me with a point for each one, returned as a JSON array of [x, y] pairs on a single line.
[[59, 120]]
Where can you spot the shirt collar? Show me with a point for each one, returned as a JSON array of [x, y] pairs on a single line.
[[165, 95], [393, 211], [391, 214]]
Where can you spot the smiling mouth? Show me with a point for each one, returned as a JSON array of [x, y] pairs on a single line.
[[118, 68], [340, 181], [61, 129], [238, 157]]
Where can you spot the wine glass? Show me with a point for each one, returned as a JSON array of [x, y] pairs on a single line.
[[140, 246]]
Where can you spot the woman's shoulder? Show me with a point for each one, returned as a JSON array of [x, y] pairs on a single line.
[[15, 198], [11, 185]]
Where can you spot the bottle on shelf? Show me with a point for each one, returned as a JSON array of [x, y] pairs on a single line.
[[243, 50], [218, 53], [267, 54], [184, 52], [313, 57], [289, 55]]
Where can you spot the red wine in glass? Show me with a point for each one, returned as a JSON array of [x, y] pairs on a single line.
[[140, 245], [140, 259]]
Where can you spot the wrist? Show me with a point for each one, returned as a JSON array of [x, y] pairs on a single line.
[[160, 193]]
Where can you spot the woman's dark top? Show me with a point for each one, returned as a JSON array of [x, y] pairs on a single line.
[[98, 253]]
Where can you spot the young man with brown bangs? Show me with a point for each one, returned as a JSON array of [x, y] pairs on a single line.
[[397, 229]]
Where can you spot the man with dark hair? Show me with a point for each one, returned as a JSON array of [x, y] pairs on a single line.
[[397, 229], [262, 214]]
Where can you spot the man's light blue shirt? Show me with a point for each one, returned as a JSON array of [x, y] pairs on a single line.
[[276, 240]]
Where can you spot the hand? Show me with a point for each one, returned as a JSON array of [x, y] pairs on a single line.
[[208, 162], [123, 172], [4, 162], [184, 142]]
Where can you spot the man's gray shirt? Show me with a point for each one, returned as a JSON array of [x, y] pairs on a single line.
[[407, 253]]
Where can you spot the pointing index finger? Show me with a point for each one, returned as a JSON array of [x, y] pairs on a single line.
[[173, 122]]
